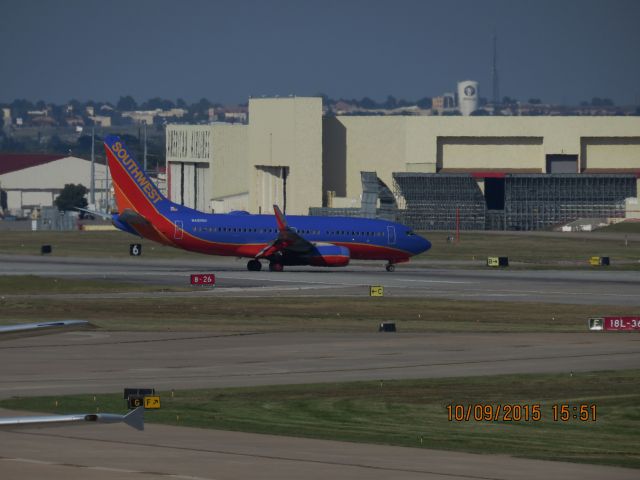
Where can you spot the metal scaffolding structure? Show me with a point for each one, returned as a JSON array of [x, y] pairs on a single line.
[[335, 212], [433, 201], [539, 201], [445, 201], [436, 201], [369, 200], [373, 190]]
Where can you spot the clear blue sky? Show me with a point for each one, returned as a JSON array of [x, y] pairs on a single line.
[[561, 51]]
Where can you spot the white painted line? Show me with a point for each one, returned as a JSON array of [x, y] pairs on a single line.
[[103, 469], [29, 460], [432, 281]]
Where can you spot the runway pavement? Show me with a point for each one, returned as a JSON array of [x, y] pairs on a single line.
[[93, 362], [594, 287], [115, 452], [97, 361]]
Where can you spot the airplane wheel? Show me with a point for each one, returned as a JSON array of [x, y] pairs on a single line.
[[254, 265], [391, 267], [275, 267]]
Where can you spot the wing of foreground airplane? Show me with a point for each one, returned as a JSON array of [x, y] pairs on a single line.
[[41, 327], [135, 419]]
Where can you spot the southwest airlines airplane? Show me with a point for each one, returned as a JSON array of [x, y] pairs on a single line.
[[296, 240]]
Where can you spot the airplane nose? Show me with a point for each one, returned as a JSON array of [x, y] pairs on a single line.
[[424, 244]]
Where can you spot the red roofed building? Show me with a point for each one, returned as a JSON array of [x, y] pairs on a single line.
[[12, 162], [35, 180]]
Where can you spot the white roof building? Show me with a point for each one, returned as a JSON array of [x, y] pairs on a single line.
[[33, 181]]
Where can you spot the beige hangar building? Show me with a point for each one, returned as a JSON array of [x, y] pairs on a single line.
[[495, 170], [32, 181]]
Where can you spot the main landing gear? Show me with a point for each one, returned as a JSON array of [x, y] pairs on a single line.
[[390, 267], [254, 265], [275, 267]]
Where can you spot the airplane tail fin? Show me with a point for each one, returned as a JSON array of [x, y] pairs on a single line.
[[134, 190]]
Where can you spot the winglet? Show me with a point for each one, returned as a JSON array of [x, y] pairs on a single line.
[[282, 222], [135, 418], [106, 216]]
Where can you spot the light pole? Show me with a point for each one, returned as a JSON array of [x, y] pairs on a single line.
[[92, 189]]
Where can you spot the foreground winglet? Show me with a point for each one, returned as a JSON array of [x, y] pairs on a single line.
[[135, 418]]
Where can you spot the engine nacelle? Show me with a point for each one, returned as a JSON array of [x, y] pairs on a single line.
[[329, 255]]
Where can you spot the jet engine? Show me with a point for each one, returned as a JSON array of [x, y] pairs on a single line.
[[329, 255]]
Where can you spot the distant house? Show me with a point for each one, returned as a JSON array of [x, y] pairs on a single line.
[[35, 180], [141, 117], [101, 120]]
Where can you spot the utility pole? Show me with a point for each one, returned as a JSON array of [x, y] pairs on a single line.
[[92, 189], [494, 72], [107, 188], [145, 146]]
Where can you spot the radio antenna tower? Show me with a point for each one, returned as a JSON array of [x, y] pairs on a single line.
[[494, 72]]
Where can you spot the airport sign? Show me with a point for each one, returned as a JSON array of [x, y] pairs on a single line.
[[151, 402], [204, 279], [376, 291], [615, 324]]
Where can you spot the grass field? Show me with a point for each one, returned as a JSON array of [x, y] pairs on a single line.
[[320, 314], [33, 284], [407, 413], [86, 244], [622, 227], [412, 413], [532, 250]]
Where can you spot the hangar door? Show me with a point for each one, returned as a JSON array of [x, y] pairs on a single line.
[[481, 153], [190, 184], [606, 153], [271, 187]]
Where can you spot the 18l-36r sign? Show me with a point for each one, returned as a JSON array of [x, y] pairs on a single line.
[[204, 279], [608, 324]]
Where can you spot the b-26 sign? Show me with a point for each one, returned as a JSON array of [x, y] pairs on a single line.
[[204, 279]]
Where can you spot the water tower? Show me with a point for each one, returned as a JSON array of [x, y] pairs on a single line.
[[467, 96]]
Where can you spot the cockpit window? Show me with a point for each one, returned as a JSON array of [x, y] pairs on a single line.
[[410, 233]]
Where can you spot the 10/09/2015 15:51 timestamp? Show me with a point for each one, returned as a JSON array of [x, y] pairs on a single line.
[[516, 412]]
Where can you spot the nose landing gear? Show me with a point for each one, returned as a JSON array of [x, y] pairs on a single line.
[[390, 267]]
